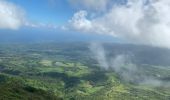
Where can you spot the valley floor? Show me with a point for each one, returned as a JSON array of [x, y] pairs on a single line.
[[50, 72]]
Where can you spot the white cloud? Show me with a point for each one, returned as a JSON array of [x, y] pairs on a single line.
[[123, 66], [99, 54], [138, 21], [11, 16], [79, 21]]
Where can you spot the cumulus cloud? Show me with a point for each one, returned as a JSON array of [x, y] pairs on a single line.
[[11, 16], [138, 21], [79, 21]]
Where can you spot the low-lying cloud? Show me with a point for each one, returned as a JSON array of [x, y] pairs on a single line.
[[99, 54], [137, 21], [11, 16], [124, 67]]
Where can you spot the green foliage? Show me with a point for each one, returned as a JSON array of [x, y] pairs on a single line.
[[67, 72], [15, 89]]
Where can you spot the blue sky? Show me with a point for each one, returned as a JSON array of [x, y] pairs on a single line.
[[51, 11], [40, 17], [46, 11], [143, 22]]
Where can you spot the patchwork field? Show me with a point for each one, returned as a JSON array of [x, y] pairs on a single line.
[[64, 72]]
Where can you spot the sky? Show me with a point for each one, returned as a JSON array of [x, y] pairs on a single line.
[[46, 11], [145, 22], [42, 20]]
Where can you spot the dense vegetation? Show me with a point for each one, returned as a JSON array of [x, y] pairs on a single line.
[[67, 71]]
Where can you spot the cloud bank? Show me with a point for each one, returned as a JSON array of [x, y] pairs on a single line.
[[137, 21], [11, 16]]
